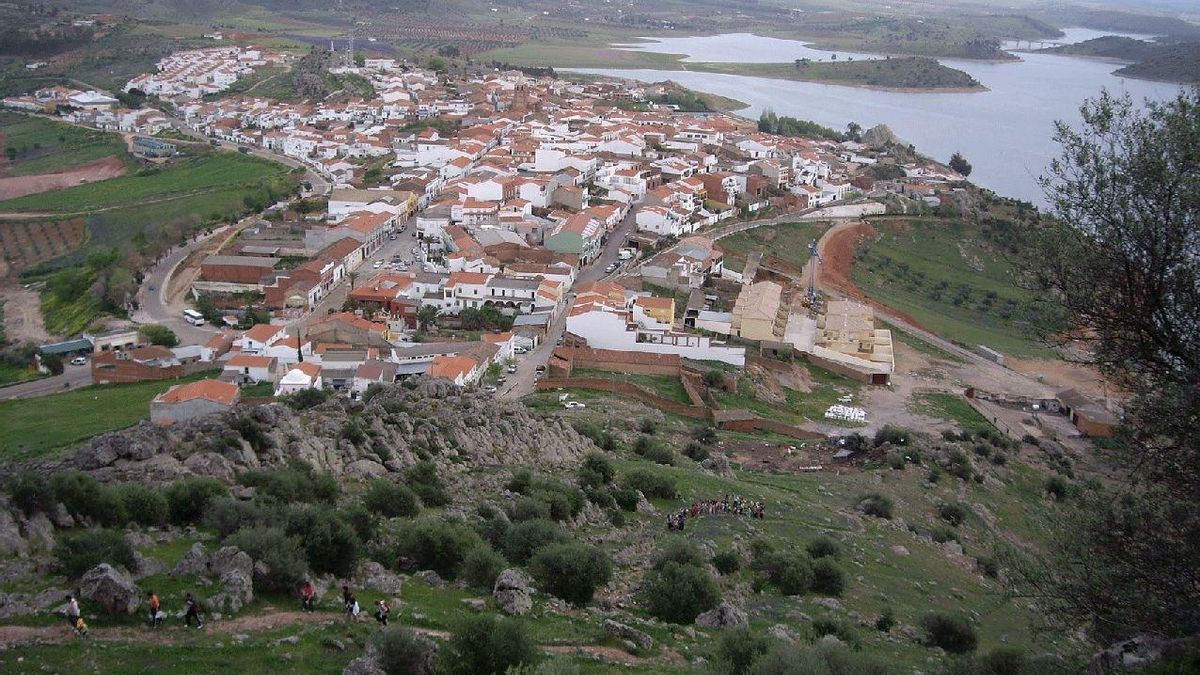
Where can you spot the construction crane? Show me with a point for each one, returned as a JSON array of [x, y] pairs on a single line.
[[814, 259]]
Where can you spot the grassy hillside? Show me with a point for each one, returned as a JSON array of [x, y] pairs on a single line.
[[1170, 62], [952, 280], [33, 145], [788, 241], [895, 73]]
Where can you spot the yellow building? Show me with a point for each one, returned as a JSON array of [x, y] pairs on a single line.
[[660, 309], [758, 313]]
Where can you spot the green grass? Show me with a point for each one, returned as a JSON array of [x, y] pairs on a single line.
[[952, 408], [949, 278], [259, 390], [669, 388], [207, 173], [43, 146], [920, 345], [797, 407], [788, 241], [36, 427]]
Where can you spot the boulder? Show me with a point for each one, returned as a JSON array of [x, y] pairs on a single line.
[[782, 633], [195, 562], [11, 541], [109, 589], [724, 615], [375, 577], [39, 532], [513, 592], [430, 577], [230, 559], [718, 464], [1139, 652], [144, 566], [237, 590], [624, 632], [900, 551]]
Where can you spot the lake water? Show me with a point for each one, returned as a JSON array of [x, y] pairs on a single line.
[[1004, 132]]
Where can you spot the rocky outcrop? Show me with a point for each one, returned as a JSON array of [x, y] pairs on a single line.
[[230, 566], [624, 632], [237, 591], [513, 592], [374, 577], [879, 137], [1139, 652], [110, 590], [724, 615], [21, 535], [427, 418]]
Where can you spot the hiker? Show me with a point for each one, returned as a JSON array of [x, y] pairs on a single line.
[[347, 596], [156, 615], [381, 614], [72, 610], [81, 630], [193, 611], [308, 597]]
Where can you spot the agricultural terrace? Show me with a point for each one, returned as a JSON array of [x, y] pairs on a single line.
[[32, 145]]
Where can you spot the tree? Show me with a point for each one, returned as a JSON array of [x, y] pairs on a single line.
[[853, 131], [1121, 260], [960, 164], [426, 317], [679, 593], [572, 572], [159, 335]]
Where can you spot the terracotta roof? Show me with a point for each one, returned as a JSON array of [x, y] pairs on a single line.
[[250, 361], [211, 390], [263, 332]]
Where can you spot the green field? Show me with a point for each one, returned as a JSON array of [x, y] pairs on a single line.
[[788, 241], [948, 277], [952, 408], [37, 145], [669, 388], [798, 407], [36, 426]]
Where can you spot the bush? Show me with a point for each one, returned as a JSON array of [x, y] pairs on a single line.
[[487, 645], [739, 648], [661, 454], [895, 459], [1003, 661], [644, 444], [840, 629], [681, 552], [679, 593], [695, 451], [305, 398], [330, 543], [364, 523], [84, 497], [652, 485], [727, 562], [521, 482], [988, 566], [438, 545], [875, 504], [425, 482], [791, 573], [31, 492], [648, 426], [596, 471], [828, 578], [188, 498], [142, 505], [892, 435], [823, 547], [157, 334], [283, 555], [528, 508], [943, 534], [227, 515], [951, 632], [571, 571], [291, 485], [626, 498], [403, 652], [886, 620], [78, 552], [481, 566], [826, 659], [954, 514], [390, 500], [524, 539], [1058, 487]]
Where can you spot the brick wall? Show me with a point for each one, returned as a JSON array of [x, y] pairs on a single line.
[[626, 389]]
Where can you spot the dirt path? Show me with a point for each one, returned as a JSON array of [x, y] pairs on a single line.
[[23, 314], [92, 172]]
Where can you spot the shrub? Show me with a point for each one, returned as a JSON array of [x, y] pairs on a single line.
[[828, 659], [661, 454], [791, 573], [999, 458], [596, 471], [487, 645], [651, 484], [521, 482], [695, 451], [705, 434], [189, 497], [78, 552], [528, 508], [648, 426], [988, 566], [493, 527], [895, 459], [282, 554], [727, 562], [424, 480], [84, 497], [330, 544], [571, 571], [158, 334], [403, 652], [875, 504], [564, 501], [954, 514], [291, 485], [482, 565], [739, 648], [143, 505], [1058, 487], [644, 444], [364, 523], [943, 534], [626, 498], [951, 632], [886, 620], [892, 435], [305, 398], [679, 551], [679, 593], [438, 545], [601, 437], [823, 547], [31, 492], [390, 500], [524, 539], [227, 515], [828, 578], [840, 629]]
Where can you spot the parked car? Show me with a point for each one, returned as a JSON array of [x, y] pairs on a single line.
[[491, 389], [510, 370], [611, 268], [520, 350], [377, 264], [570, 405], [79, 361]]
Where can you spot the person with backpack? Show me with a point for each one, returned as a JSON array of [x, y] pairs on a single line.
[[308, 597], [155, 611], [72, 610], [193, 612], [382, 612]]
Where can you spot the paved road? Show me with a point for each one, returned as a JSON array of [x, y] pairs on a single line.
[[320, 185], [73, 377]]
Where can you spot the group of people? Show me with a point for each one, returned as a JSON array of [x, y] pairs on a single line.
[[156, 613], [382, 609], [706, 507]]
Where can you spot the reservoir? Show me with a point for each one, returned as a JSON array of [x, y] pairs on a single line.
[[1004, 132]]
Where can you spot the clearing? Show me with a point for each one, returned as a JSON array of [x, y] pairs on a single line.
[[92, 172]]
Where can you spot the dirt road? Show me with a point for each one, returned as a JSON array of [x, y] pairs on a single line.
[[22, 314], [92, 172]]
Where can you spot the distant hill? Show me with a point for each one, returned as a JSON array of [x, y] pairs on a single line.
[[1174, 62]]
